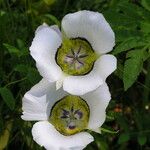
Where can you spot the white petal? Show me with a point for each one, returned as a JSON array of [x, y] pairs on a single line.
[[43, 50], [56, 28], [41, 88], [97, 100], [106, 65], [91, 26], [37, 102], [34, 108], [46, 135], [97, 130], [79, 85], [44, 25]]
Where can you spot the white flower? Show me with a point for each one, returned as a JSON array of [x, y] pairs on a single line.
[[62, 127], [76, 58]]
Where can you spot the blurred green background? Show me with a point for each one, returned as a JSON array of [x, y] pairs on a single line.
[[128, 116]]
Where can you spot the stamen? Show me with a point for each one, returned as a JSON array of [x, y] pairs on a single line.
[[82, 55], [73, 53], [79, 49], [65, 112], [72, 109], [80, 62], [64, 117], [70, 56]]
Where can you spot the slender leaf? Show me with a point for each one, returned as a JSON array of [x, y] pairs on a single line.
[[11, 49], [129, 44], [53, 18], [8, 97]]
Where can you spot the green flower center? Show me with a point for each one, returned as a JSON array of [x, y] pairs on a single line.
[[70, 115], [76, 57]]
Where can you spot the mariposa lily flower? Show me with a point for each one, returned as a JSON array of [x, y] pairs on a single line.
[[76, 57], [64, 118]]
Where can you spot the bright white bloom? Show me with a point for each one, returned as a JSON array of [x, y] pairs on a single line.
[[76, 58], [63, 118]]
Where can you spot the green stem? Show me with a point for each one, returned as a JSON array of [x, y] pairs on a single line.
[[14, 82]]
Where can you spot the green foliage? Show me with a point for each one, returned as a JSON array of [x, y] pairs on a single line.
[[133, 20], [146, 4], [12, 49], [129, 44], [8, 97], [142, 139], [133, 66], [124, 137]]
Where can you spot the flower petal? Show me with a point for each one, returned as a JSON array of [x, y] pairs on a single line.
[[93, 27], [46, 135], [79, 85], [56, 28], [43, 50], [97, 100], [41, 88], [106, 65], [38, 101], [34, 108]]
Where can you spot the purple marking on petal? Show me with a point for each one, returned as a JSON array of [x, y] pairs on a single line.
[[80, 62], [70, 56], [68, 59], [78, 65], [64, 117], [65, 112], [78, 114], [72, 127]]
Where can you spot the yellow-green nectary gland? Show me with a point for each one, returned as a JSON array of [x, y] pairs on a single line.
[[70, 115], [76, 56]]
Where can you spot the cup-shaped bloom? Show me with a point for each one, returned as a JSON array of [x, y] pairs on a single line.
[[63, 119], [75, 57]]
